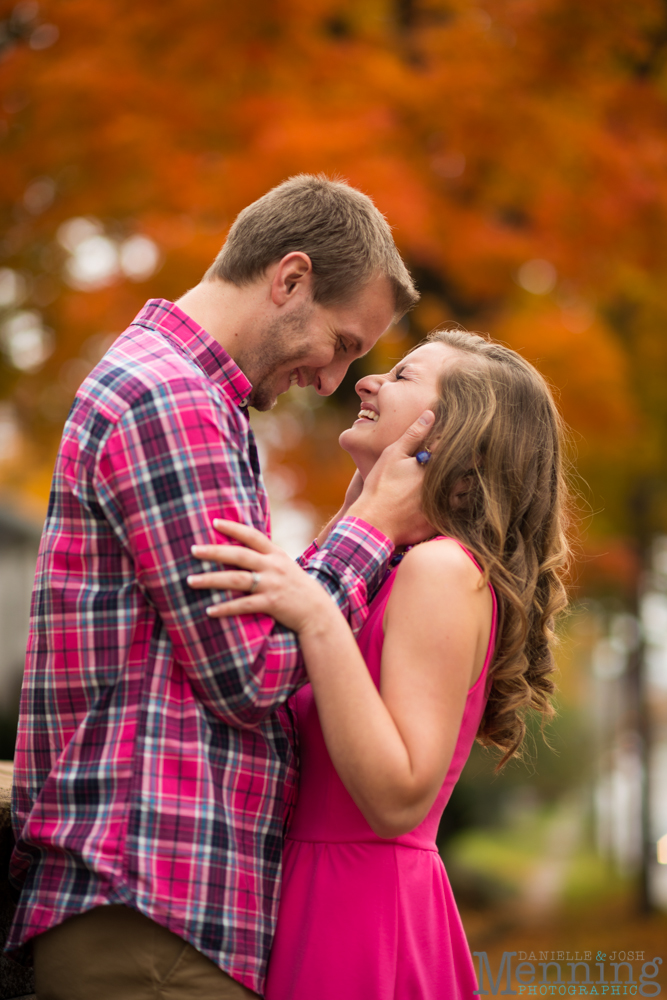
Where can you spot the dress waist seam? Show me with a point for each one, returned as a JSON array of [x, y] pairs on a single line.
[[373, 843]]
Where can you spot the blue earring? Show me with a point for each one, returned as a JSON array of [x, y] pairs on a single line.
[[423, 456]]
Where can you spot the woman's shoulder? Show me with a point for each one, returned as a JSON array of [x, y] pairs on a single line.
[[438, 600], [436, 581], [439, 560]]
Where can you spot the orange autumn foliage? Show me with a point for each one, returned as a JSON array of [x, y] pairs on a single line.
[[490, 134]]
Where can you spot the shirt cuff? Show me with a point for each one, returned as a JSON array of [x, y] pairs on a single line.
[[308, 553], [356, 547], [365, 531]]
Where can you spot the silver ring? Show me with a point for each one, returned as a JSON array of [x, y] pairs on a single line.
[[255, 582]]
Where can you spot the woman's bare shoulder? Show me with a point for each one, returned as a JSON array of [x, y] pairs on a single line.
[[440, 560]]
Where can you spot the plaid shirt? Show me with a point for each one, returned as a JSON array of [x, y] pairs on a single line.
[[151, 766]]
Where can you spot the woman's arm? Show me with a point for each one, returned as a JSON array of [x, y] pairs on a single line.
[[391, 749]]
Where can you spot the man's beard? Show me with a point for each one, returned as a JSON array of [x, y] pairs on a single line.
[[265, 365]]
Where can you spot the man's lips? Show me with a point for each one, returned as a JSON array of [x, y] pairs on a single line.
[[298, 377]]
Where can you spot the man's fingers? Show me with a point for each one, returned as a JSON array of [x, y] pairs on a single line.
[[416, 432], [244, 533]]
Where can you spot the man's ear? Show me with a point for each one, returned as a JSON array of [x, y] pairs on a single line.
[[293, 276]]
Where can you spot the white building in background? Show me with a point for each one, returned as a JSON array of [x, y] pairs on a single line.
[[654, 624], [19, 542], [618, 788]]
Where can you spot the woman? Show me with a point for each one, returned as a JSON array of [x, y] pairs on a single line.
[[456, 645]]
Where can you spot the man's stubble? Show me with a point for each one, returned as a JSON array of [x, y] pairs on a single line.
[[283, 344]]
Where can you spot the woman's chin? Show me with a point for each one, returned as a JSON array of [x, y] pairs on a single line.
[[347, 439], [353, 442], [363, 457]]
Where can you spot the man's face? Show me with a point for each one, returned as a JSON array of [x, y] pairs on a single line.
[[314, 345]]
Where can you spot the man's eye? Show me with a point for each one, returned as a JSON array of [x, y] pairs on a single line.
[[342, 345]]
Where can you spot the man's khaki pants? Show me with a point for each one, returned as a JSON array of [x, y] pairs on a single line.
[[115, 953]]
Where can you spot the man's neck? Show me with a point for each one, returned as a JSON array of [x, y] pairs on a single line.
[[223, 310]]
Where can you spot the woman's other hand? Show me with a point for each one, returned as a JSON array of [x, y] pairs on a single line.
[[273, 583]]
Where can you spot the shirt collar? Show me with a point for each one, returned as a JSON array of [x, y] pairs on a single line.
[[194, 341]]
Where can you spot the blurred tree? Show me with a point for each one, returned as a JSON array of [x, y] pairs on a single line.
[[519, 149]]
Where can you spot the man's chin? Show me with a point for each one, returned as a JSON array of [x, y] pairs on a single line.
[[263, 397]]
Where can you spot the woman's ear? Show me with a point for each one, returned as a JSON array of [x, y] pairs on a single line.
[[460, 496], [431, 442]]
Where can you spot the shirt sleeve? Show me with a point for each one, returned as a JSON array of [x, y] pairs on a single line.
[[177, 459], [354, 555]]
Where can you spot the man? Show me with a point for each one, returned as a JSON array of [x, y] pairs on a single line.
[[152, 772]]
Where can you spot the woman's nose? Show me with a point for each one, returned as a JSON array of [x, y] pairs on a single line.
[[368, 385]]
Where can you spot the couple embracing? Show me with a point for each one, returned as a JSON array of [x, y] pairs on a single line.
[[229, 774]]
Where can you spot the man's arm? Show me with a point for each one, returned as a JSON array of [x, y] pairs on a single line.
[[173, 463], [355, 554]]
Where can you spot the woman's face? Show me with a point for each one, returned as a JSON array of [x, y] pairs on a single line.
[[391, 402]]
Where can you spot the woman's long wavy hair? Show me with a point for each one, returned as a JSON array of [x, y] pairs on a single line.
[[495, 481]]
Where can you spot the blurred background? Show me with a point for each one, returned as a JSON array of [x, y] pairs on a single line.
[[519, 150]]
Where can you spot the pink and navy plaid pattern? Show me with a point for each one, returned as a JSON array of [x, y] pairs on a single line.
[[151, 766]]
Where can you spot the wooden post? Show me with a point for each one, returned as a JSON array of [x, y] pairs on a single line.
[[15, 980]]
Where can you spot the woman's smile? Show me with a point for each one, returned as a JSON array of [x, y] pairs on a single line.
[[391, 402], [365, 413]]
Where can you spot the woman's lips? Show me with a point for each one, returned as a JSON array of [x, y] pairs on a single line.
[[365, 414]]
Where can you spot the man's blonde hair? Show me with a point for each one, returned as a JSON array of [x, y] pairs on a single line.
[[348, 240]]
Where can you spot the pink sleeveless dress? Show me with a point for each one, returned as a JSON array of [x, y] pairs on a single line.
[[362, 917]]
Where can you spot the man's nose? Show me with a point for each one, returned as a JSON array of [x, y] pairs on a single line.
[[328, 379]]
